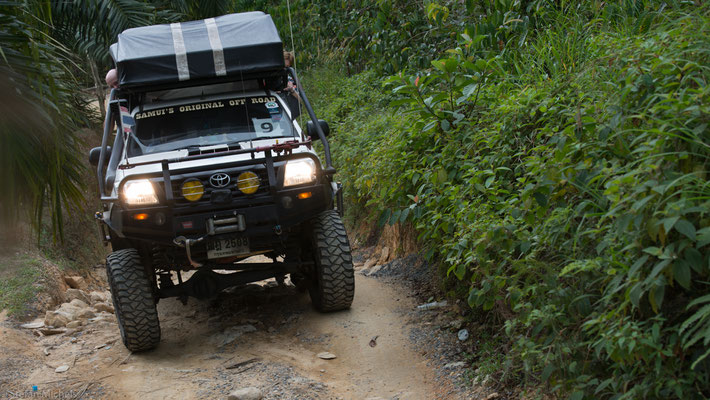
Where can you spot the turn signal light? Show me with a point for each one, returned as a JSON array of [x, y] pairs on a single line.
[[140, 217], [305, 195]]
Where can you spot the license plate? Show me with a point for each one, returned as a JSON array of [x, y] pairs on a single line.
[[220, 248]]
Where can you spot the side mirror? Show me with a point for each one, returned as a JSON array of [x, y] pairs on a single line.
[[313, 133], [95, 154]]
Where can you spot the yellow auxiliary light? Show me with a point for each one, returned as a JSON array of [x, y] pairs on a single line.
[[248, 182], [193, 190]]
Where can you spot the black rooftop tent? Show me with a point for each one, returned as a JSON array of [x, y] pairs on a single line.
[[228, 46]]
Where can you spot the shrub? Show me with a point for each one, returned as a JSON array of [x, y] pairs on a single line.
[[556, 162]]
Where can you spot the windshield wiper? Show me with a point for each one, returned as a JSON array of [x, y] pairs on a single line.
[[274, 137], [211, 148]]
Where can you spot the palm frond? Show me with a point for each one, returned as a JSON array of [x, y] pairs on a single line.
[[38, 164]]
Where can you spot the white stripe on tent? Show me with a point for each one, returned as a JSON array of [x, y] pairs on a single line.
[[220, 68], [180, 52]]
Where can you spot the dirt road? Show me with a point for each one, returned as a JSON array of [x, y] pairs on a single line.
[[263, 336]]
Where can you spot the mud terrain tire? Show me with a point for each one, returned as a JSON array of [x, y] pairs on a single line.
[[133, 300], [334, 286]]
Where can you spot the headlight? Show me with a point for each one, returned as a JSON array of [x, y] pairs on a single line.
[[299, 172], [192, 190], [139, 192]]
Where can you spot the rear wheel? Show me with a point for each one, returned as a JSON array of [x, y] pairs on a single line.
[[133, 300], [333, 288]]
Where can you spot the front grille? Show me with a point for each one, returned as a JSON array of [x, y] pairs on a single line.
[[209, 189]]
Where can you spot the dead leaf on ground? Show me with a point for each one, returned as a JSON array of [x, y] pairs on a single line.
[[373, 341]]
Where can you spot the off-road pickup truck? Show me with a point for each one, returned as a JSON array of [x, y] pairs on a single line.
[[201, 166]]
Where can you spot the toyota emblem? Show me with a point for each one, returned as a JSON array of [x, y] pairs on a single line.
[[219, 180]]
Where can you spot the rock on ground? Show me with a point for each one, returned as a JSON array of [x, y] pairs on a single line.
[[57, 318], [373, 270], [68, 312], [369, 264], [74, 324], [33, 325], [384, 256], [249, 393], [326, 355], [78, 304], [459, 364], [75, 282], [100, 297], [76, 294], [105, 307]]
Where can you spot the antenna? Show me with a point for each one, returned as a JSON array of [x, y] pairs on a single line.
[[293, 46], [290, 28]]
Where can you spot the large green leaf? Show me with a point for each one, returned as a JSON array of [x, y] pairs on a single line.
[[686, 228], [681, 273]]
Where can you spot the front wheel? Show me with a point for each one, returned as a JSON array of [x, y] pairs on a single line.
[[333, 288], [133, 300]]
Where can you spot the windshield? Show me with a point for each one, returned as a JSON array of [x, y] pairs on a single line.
[[208, 123]]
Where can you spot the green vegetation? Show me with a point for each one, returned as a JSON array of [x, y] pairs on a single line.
[[386, 35], [38, 166], [20, 282], [555, 162], [552, 156]]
